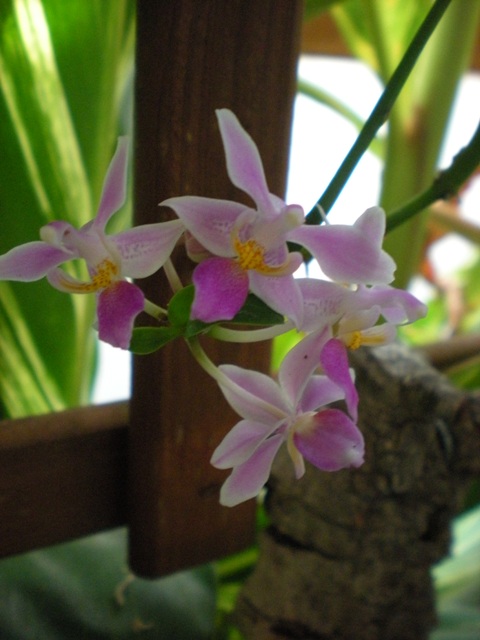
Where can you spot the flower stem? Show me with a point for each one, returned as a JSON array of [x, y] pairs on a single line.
[[254, 335], [444, 186], [381, 110], [154, 310], [224, 381], [172, 276]]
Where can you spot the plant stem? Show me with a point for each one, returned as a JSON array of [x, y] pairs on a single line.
[[381, 109], [416, 133], [154, 310], [247, 336], [172, 276], [444, 186], [224, 381]]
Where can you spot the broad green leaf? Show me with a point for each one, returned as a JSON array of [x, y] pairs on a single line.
[[379, 31], [146, 340], [180, 305], [179, 313], [82, 589], [65, 69]]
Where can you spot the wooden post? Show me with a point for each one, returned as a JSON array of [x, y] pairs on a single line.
[[192, 58]]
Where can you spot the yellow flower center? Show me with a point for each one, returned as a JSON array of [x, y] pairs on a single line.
[[251, 255], [105, 273], [357, 339], [354, 340]]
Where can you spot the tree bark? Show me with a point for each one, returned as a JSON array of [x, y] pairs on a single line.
[[348, 554]]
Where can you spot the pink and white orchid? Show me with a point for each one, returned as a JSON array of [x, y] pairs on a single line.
[[242, 249], [350, 254], [135, 253], [360, 315], [247, 247], [294, 411]]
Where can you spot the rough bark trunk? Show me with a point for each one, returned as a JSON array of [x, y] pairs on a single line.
[[348, 555]]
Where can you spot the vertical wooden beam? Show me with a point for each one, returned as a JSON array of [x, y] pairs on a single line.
[[192, 58]]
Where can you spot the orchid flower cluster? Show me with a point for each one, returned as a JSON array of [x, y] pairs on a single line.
[[244, 261]]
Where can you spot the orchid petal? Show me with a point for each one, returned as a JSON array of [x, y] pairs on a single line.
[[397, 306], [195, 249], [240, 443], [63, 281], [372, 337], [281, 293], [247, 480], [31, 261], [371, 225], [209, 220], [344, 254], [320, 391], [323, 302], [244, 164], [55, 232], [331, 441], [221, 288], [144, 249], [114, 186], [334, 362], [299, 364], [118, 306], [254, 395], [359, 320]]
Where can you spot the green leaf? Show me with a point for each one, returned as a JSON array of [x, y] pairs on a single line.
[[65, 70], [180, 305], [179, 309], [146, 340], [82, 590], [378, 32], [256, 312]]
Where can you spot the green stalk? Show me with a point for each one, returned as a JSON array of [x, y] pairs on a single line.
[[381, 111], [445, 186], [415, 137]]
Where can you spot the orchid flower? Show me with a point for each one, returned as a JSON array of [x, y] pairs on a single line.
[[246, 247], [357, 316], [135, 253], [294, 411], [242, 249], [350, 254]]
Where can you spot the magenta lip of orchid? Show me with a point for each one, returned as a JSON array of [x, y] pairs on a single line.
[[240, 250]]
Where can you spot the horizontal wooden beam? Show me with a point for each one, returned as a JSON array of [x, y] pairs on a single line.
[[63, 476]]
